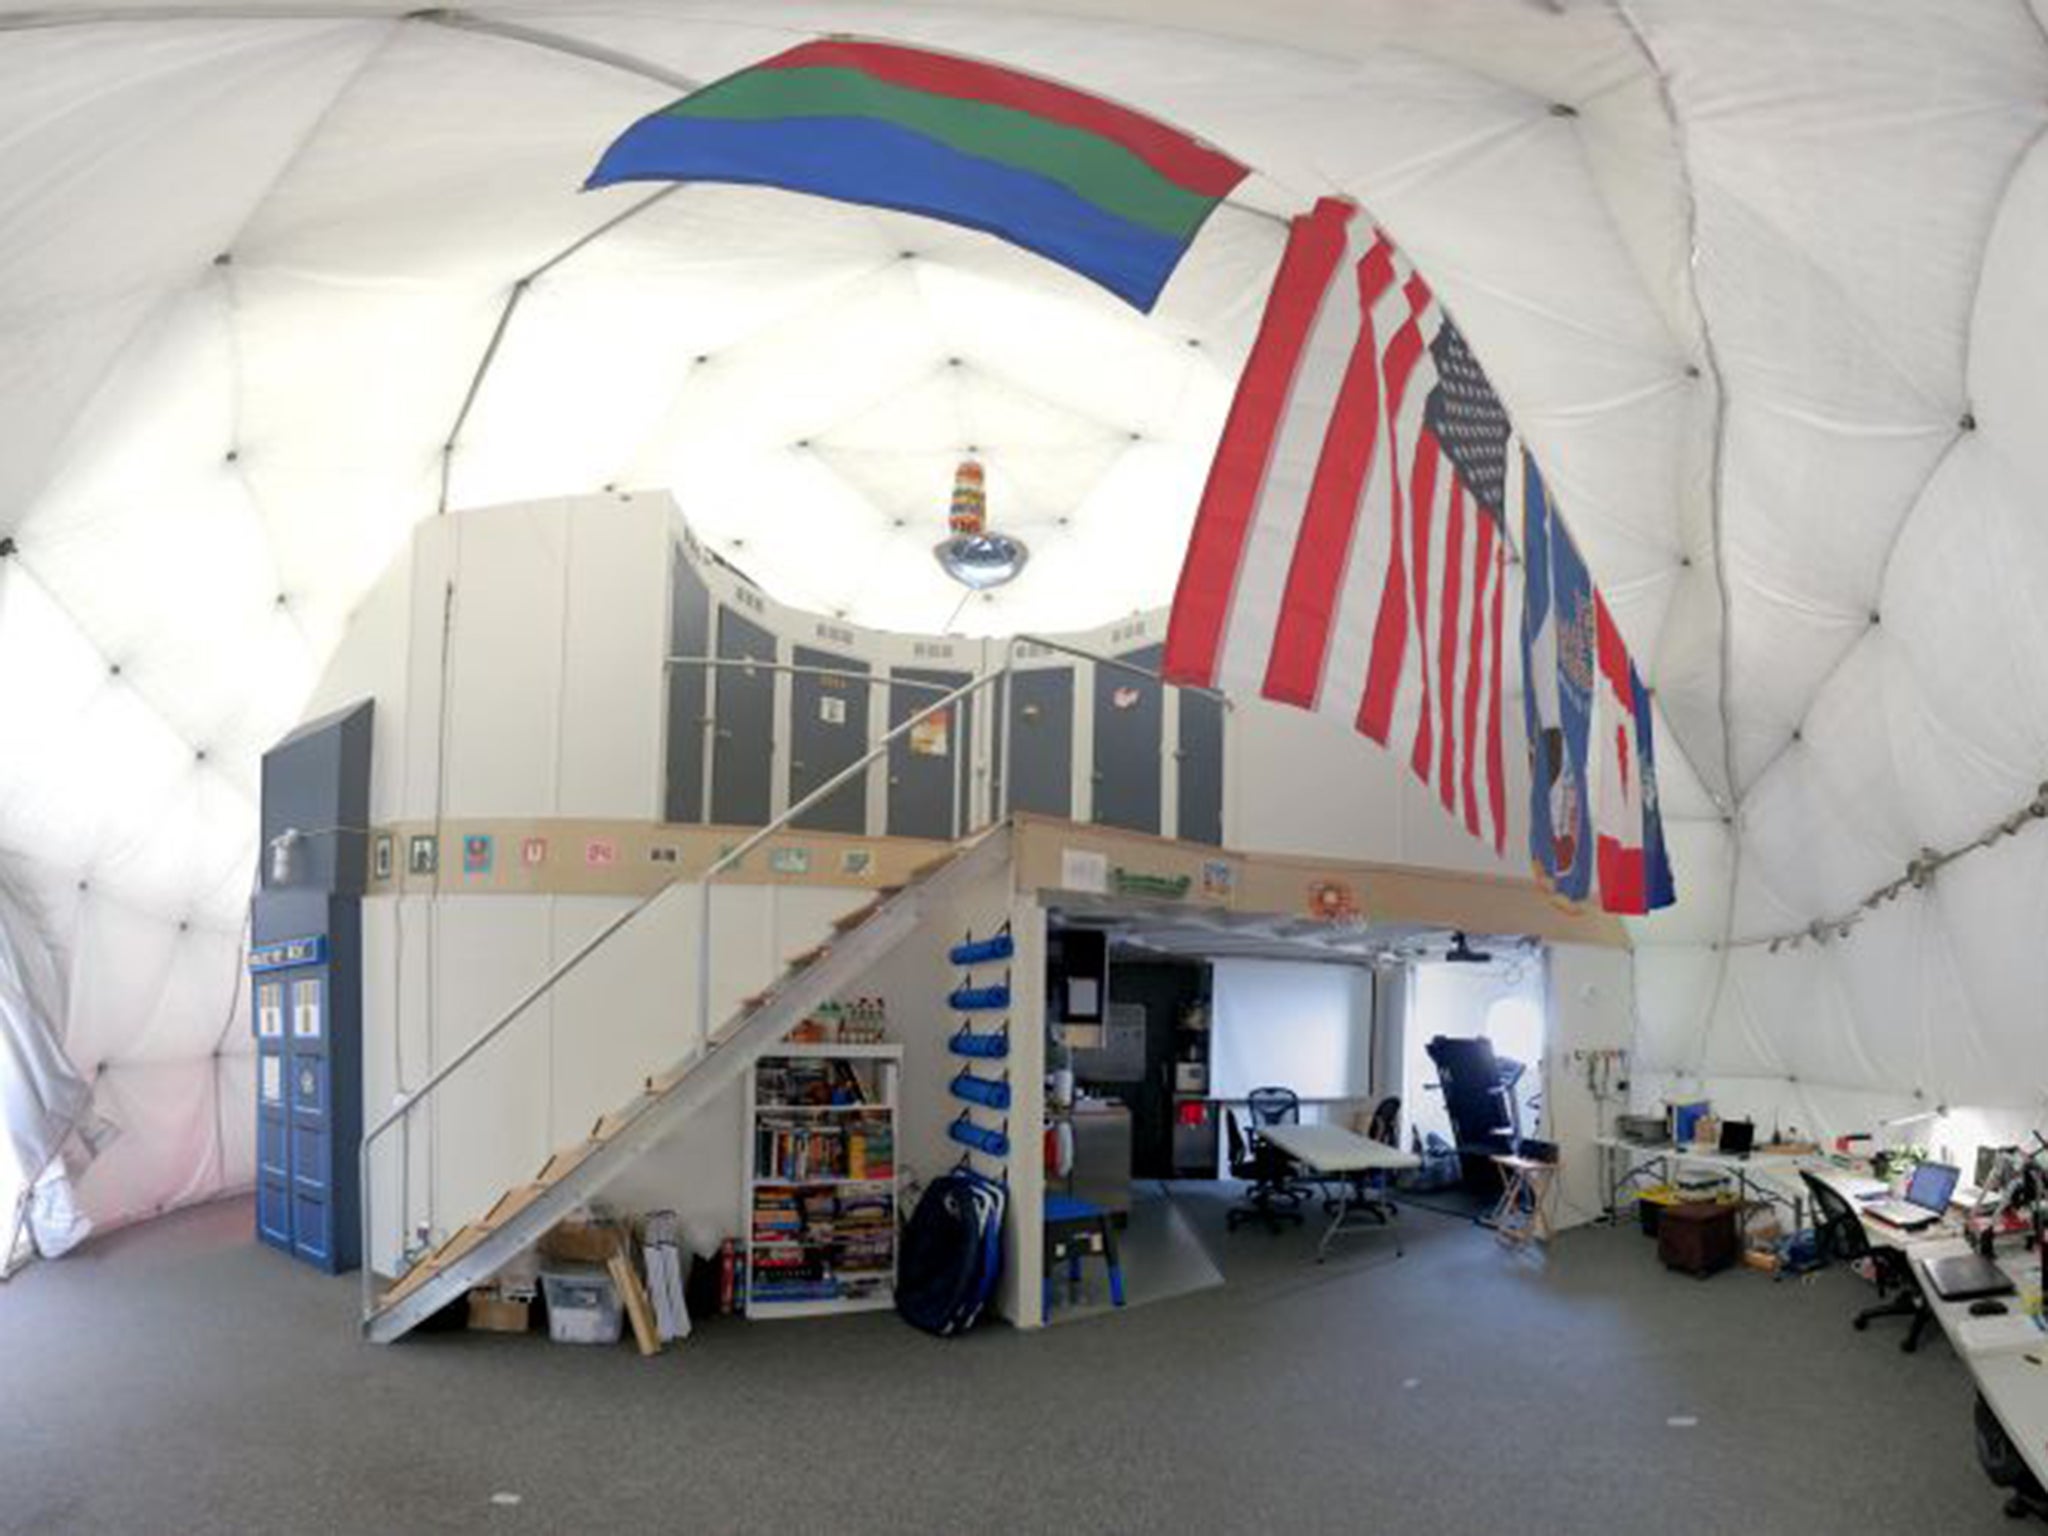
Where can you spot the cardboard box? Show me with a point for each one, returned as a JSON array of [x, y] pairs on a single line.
[[491, 1313], [583, 1242]]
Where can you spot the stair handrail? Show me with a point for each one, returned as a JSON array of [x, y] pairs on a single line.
[[732, 856], [735, 854]]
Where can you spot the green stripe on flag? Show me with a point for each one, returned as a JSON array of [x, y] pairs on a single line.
[[1098, 169]]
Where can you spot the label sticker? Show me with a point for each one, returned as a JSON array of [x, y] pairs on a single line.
[[831, 710], [600, 852], [533, 852], [381, 861], [423, 855], [789, 861], [477, 854]]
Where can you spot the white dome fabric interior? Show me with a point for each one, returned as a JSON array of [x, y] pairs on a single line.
[[1761, 283]]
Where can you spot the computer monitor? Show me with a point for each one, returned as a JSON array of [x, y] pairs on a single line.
[[1931, 1186], [1737, 1137]]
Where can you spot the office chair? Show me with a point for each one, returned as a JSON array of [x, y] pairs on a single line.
[[1274, 1106], [1838, 1234], [1369, 1186], [1265, 1168]]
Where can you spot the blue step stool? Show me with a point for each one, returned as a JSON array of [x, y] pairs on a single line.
[[1073, 1230]]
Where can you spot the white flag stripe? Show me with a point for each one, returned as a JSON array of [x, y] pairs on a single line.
[[1358, 610], [1276, 526]]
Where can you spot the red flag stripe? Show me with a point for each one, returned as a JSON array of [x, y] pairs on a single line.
[[1496, 764], [1447, 646], [1475, 666], [1301, 643], [1201, 604], [1390, 630], [1175, 155], [1421, 530]]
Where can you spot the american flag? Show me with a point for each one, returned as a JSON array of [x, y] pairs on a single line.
[[1349, 554]]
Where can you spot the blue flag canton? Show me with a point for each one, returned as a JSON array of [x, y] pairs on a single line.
[[1467, 419]]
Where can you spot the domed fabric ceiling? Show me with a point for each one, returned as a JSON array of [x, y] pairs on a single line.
[[1761, 283]]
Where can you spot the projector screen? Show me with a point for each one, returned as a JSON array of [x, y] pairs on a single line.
[[1290, 1024]]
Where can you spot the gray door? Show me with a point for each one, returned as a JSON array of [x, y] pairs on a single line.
[[743, 740], [828, 731], [1128, 712], [1201, 769], [1042, 741], [689, 634], [928, 765]]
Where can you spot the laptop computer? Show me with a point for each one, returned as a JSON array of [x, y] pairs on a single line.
[[1927, 1197], [1966, 1277], [1737, 1137]]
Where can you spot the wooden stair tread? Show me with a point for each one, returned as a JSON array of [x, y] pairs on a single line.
[[610, 1125], [807, 957], [410, 1281], [563, 1163], [512, 1202]]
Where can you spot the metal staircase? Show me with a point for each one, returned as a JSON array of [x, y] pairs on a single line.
[[522, 1215]]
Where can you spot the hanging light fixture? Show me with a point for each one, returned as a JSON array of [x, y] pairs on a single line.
[[976, 556]]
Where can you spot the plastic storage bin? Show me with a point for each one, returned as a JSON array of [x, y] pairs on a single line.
[[583, 1305]]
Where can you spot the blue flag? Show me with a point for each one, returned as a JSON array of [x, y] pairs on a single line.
[[1557, 673]]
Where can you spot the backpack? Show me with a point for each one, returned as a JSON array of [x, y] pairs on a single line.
[[952, 1253]]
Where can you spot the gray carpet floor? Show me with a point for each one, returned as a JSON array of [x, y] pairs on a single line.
[[177, 1378]]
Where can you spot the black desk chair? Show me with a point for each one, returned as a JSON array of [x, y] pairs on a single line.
[[1278, 1106], [1273, 1106], [1267, 1169], [1838, 1234]]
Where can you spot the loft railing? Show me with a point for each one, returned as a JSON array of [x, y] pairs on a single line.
[[400, 1115]]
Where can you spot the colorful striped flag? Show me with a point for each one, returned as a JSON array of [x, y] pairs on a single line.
[[1349, 553], [1108, 192]]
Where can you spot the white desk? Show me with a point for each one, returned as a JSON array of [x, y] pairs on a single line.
[[1329, 1151], [1752, 1174], [1997, 1349]]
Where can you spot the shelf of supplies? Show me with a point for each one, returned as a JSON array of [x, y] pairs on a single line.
[[822, 1109], [812, 1307], [811, 1183], [822, 1051]]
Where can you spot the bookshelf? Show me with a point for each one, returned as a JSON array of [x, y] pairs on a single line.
[[820, 1150]]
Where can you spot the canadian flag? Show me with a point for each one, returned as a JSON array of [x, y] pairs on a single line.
[[1635, 872]]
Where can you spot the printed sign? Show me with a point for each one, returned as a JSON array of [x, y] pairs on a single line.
[[381, 860], [831, 710], [533, 852], [283, 953], [933, 735], [789, 861], [600, 853], [857, 861], [423, 855], [273, 1079], [1131, 882], [663, 853], [477, 854], [1081, 870], [1124, 697], [1219, 879]]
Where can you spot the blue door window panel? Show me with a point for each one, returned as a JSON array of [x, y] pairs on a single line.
[[272, 1146], [312, 1228], [274, 1213], [309, 1160]]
